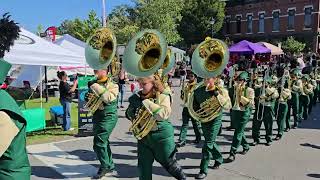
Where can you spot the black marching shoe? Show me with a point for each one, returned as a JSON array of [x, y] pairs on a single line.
[[102, 172], [231, 158], [278, 137], [268, 144], [245, 151], [201, 175], [287, 130], [255, 142], [181, 143], [216, 165], [197, 141]]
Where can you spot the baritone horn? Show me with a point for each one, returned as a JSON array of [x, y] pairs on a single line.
[[208, 60], [144, 56], [99, 52]]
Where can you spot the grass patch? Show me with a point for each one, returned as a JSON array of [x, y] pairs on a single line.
[[52, 133]]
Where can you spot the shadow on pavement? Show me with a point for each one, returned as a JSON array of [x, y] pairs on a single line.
[[45, 172], [131, 171], [123, 143], [314, 175], [310, 145]]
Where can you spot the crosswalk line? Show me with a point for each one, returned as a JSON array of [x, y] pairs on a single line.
[[70, 166]]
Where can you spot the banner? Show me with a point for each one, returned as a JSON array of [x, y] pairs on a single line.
[[85, 124]]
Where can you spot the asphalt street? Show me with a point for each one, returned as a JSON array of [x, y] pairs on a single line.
[[295, 157]]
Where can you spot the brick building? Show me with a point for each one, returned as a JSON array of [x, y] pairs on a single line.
[[273, 20]]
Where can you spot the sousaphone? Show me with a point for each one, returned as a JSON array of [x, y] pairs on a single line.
[[208, 60], [144, 56], [99, 52]]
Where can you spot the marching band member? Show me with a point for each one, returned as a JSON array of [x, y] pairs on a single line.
[[317, 92], [158, 144], [282, 106], [231, 91], [257, 85], [210, 149], [296, 90], [244, 102], [104, 119], [14, 163], [304, 97], [185, 93], [313, 82], [265, 112]]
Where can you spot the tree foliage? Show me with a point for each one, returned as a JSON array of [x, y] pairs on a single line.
[[163, 15], [293, 46], [122, 21], [196, 16], [81, 29]]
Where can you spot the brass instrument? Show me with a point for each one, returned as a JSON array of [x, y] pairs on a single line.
[[208, 60], [186, 90], [283, 81], [144, 55], [143, 123], [99, 52], [238, 93], [232, 74], [115, 67], [262, 93]]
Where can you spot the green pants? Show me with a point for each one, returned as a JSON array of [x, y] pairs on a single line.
[[185, 124], [267, 119], [316, 96], [231, 94], [157, 145], [304, 106], [293, 104], [281, 119], [232, 119], [210, 148], [103, 124], [239, 138], [311, 102]]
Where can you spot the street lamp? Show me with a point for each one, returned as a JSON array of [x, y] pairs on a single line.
[[104, 18], [212, 22]]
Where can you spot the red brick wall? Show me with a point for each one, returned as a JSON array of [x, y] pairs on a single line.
[[268, 7]]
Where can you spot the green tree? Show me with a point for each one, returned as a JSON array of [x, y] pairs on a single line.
[[163, 15], [39, 29], [81, 29], [196, 16], [293, 46], [122, 22]]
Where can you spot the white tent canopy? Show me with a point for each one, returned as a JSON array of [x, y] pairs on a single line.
[[78, 47], [30, 49]]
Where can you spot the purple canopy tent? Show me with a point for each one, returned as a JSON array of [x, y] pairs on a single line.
[[246, 47]]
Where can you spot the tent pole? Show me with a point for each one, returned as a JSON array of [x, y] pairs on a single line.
[[85, 70], [41, 86], [46, 81]]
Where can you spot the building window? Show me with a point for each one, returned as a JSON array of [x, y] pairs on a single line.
[[238, 24], [261, 22], [276, 21], [291, 15], [307, 17], [228, 25], [249, 23]]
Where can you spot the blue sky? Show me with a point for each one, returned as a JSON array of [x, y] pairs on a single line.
[[30, 13]]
